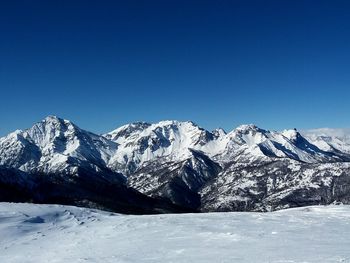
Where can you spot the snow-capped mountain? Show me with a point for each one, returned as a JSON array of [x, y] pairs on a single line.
[[139, 143], [57, 162], [249, 141], [333, 140], [184, 164], [142, 142], [55, 145]]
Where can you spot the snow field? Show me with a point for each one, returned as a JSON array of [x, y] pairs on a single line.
[[54, 233]]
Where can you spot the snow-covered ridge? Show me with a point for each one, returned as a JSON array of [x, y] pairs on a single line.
[[141, 142], [330, 139], [55, 144]]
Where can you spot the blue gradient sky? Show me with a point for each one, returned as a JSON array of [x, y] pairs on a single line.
[[101, 64]]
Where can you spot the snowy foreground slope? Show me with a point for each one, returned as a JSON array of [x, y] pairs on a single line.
[[52, 233]]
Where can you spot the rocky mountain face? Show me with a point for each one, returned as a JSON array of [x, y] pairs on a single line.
[[83, 188], [57, 162], [174, 166], [139, 143], [55, 145], [276, 184], [177, 181]]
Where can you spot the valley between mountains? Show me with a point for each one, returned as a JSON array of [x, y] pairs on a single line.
[[174, 167]]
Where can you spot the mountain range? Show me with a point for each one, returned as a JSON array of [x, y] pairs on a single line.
[[174, 166]]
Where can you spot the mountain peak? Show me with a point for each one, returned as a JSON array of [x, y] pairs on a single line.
[[247, 127], [219, 132], [54, 119], [175, 122], [48, 129], [291, 134], [126, 130], [52, 123]]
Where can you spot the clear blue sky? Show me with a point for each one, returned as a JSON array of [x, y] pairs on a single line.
[[101, 64]]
